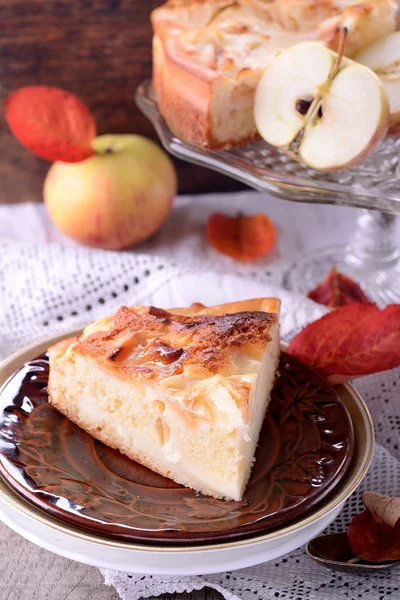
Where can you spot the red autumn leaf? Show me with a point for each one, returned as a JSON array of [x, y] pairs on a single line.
[[373, 541], [351, 341], [52, 123], [242, 238], [374, 535], [338, 289]]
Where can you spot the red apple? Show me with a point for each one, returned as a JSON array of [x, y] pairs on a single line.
[[117, 198]]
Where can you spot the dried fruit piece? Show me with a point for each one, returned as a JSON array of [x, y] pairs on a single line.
[[337, 289], [351, 341], [374, 535], [243, 238], [52, 123]]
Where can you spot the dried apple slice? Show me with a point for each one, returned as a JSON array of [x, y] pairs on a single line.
[[383, 57], [326, 110], [242, 238]]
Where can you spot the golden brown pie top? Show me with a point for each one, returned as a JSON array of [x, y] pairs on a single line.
[[153, 343]]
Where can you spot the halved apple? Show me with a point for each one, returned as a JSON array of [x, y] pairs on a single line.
[[321, 108], [383, 57]]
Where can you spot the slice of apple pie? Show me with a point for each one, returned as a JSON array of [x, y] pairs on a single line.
[[183, 392]]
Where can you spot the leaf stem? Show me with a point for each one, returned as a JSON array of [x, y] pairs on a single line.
[[356, 559]]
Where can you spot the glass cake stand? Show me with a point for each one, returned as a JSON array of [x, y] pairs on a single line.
[[372, 257]]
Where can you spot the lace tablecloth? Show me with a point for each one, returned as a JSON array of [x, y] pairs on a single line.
[[44, 288]]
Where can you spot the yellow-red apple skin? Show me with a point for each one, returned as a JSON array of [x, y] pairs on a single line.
[[114, 199]]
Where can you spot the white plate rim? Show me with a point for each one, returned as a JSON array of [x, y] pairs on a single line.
[[137, 561]]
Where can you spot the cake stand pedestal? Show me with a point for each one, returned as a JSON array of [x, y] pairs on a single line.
[[371, 258]]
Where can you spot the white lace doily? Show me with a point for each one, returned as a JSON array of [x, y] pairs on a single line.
[[48, 288]]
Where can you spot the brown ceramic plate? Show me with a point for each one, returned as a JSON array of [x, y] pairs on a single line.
[[305, 449]]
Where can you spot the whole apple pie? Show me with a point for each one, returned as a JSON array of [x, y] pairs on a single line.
[[208, 55]]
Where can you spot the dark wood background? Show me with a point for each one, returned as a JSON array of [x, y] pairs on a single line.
[[98, 49]]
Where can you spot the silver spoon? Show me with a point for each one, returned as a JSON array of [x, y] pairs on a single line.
[[333, 551]]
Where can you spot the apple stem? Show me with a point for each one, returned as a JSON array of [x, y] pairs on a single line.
[[294, 145], [342, 42]]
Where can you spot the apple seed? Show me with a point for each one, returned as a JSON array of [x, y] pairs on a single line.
[[302, 106]]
